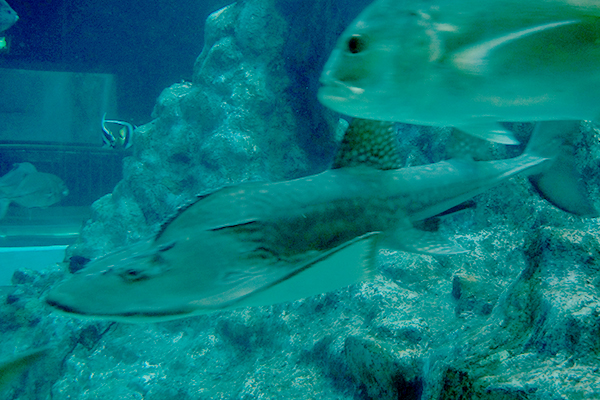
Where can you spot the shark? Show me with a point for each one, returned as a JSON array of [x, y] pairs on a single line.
[[263, 243]]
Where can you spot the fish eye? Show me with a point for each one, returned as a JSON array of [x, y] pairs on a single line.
[[356, 44], [133, 275]]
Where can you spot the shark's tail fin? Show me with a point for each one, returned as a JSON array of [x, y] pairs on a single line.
[[559, 182]]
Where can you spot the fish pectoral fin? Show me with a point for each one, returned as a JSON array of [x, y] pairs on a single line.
[[289, 280], [475, 59], [345, 265], [490, 130], [416, 241]]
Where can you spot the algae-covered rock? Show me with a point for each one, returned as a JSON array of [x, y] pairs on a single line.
[[238, 120], [541, 340], [387, 371]]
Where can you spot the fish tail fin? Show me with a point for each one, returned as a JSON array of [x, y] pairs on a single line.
[[4, 203], [559, 181]]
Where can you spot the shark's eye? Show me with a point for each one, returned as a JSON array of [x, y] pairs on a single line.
[[133, 274], [148, 268], [356, 44]]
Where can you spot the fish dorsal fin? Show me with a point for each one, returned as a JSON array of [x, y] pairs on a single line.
[[208, 218], [370, 143], [474, 59]]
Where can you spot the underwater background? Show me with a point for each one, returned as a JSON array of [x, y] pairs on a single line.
[[231, 97]]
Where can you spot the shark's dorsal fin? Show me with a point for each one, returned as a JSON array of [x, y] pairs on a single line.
[[370, 143], [165, 224]]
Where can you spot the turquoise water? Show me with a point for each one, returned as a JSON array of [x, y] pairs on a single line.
[[36, 258], [234, 100]]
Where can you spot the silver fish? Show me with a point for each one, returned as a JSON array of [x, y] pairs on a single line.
[[8, 16], [468, 64], [35, 190], [15, 176], [265, 243]]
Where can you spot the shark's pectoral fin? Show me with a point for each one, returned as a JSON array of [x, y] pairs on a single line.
[[422, 242], [302, 276], [347, 264]]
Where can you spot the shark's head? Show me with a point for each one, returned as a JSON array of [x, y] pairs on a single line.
[[167, 278], [188, 271], [145, 282]]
